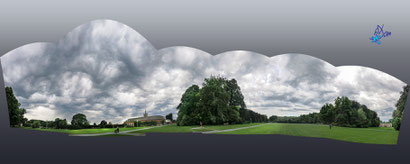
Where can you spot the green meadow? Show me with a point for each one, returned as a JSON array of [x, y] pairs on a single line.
[[376, 135], [192, 129]]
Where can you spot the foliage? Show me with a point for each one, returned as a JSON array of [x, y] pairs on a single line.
[[273, 118], [16, 114], [343, 113], [79, 121], [169, 117], [401, 103], [348, 113], [103, 124], [219, 101], [60, 123]]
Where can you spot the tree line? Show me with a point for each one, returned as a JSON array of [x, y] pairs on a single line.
[[344, 112], [401, 103], [219, 101]]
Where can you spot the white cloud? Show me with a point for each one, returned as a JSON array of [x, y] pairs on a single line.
[[108, 71]]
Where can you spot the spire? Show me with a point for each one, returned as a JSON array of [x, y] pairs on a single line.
[[145, 113]]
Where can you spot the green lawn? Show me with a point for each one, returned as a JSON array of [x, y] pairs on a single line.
[[377, 135], [189, 129], [86, 131], [115, 135]]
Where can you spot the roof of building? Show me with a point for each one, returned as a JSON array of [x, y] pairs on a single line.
[[148, 118]]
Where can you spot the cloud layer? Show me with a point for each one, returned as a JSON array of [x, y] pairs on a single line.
[[108, 71]]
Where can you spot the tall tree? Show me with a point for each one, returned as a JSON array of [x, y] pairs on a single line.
[[169, 117], [60, 123], [401, 103], [188, 109], [103, 124], [219, 101], [16, 114], [79, 121], [215, 99], [327, 113]]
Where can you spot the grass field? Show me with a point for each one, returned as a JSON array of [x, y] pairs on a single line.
[[376, 135], [87, 131], [191, 129]]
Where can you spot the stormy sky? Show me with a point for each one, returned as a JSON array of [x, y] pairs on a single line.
[[108, 71]]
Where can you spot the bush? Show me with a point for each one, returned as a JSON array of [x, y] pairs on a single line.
[[396, 123]]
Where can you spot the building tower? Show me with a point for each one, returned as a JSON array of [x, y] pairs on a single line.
[[145, 113]]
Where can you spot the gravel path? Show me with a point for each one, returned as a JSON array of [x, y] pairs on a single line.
[[228, 130]]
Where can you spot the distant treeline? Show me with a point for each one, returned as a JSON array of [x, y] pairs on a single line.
[[343, 112], [79, 121], [219, 101]]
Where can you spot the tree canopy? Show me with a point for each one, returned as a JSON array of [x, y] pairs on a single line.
[[169, 117], [79, 121], [103, 124], [16, 114], [344, 112], [401, 103], [219, 101]]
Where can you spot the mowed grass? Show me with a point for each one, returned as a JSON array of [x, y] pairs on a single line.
[[86, 131], [376, 135], [192, 129]]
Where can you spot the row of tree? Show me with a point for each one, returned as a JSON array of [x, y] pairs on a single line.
[[56, 124], [344, 112], [401, 103], [219, 101], [79, 121]]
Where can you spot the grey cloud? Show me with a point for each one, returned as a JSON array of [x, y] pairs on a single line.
[[109, 71]]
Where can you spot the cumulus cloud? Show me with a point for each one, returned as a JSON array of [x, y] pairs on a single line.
[[108, 71]]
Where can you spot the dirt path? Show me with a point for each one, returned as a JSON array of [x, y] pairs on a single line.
[[228, 130]]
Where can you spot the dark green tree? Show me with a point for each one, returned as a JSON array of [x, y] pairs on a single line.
[[103, 124], [16, 114], [273, 118], [214, 98], [401, 103], [327, 113], [79, 121], [36, 124], [188, 109], [219, 101], [169, 117], [348, 113], [60, 123]]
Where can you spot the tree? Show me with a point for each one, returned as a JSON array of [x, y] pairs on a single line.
[[16, 114], [273, 118], [219, 101], [169, 117], [327, 113], [214, 100], [60, 123], [103, 124], [79, 121], [36, 124], [349, 113], [401, 103], [188, 109]]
